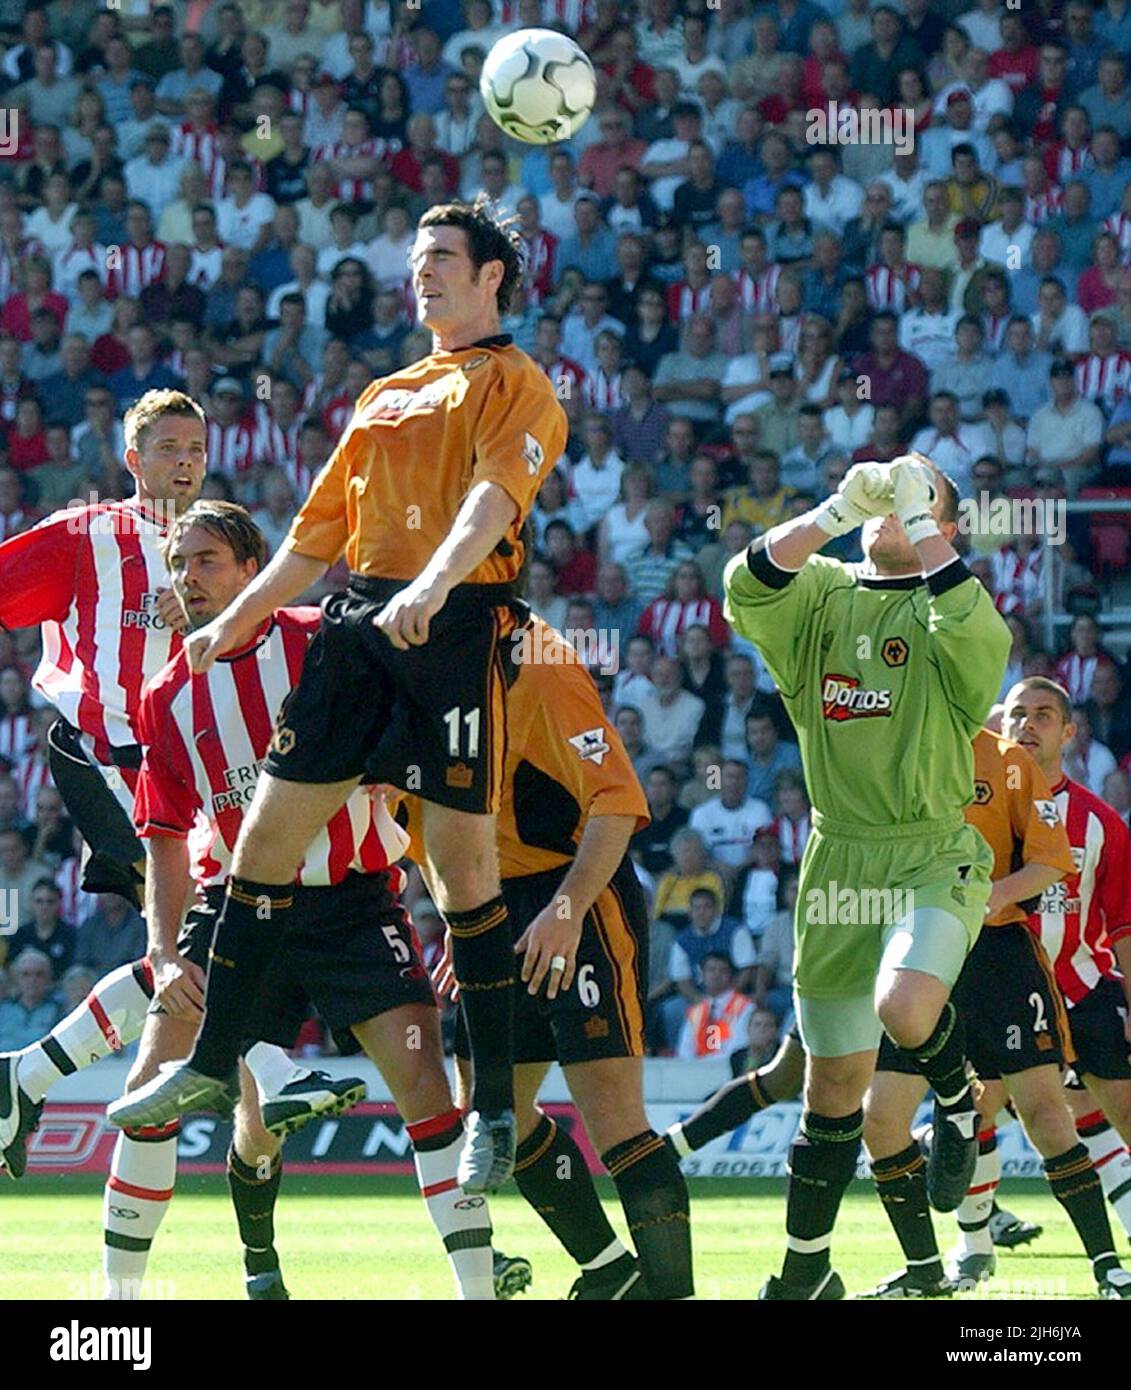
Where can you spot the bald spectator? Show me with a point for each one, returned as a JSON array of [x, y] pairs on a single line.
[[650, 567], [671, 714]]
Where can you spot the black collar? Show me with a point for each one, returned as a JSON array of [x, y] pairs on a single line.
[[496, 340]]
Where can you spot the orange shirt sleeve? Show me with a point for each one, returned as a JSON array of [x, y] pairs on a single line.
[[521, 436], [1033, 812]]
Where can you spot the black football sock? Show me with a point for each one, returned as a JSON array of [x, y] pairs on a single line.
[[484, 965], [731, 1105], [254, 1199], [942, 1061], [1076, 1186], [553, 1176], [250, 926], [653, 1193], [822, 1162], [901, 1186]]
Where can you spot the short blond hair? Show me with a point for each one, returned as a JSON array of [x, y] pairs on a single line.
[[152, 406]]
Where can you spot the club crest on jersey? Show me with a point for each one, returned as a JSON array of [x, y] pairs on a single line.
[[843, 697], [1047, 813], [533, 453], [983, 792], [894, 651], [591, 745]]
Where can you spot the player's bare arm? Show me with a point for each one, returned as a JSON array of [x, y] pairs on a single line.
[[288, 575], [1030, 881], [487, 514], [178, 984], [556, 930]]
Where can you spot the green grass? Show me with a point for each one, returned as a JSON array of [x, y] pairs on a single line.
[[352, 1238]]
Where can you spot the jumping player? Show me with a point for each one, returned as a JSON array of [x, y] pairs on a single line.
[[571, 802], [888, 670], [425, 495], [347, 942]]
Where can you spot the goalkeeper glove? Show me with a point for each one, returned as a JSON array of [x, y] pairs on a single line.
[[865, 492], [915, 495]]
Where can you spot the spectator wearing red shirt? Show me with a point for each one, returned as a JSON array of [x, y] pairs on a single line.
[[824, 47], [27, 442], [37, 294], [887, 441], [630, 83], [618, 148], [406, 163], [576, 569], [1016, 61]]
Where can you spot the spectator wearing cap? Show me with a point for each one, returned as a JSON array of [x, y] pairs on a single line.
[[592, 247], [1068, 432], [965, 374], [155, 176], [940, 142], [174, 86], [950, 443], [118, 75], [1104, 375], [666, 163], [1007, 241], [990, 97]]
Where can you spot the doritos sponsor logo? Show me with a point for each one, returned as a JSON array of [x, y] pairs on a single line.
[[843, 697]]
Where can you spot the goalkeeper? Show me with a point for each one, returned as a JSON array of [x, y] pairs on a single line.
[[888, 670]]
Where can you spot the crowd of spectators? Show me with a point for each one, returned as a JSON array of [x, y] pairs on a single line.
[[221, 196]]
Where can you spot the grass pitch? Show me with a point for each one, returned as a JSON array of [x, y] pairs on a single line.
[[365, 1238]]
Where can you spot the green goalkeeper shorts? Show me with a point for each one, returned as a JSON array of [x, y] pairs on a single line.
[[858, 882]]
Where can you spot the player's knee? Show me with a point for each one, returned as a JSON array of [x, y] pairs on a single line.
[[907, 1021], [835, 1093], [1048, 1124]]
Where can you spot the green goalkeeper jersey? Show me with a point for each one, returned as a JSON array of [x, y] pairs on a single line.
[[886, 680]]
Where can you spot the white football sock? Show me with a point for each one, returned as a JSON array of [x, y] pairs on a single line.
[[1111, 1161], [110, 1017], [272, 1069], [143, 1172], [464, 1225], [974, 1210]]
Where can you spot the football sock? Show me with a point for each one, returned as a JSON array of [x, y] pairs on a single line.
[[730, 1106], [272, 1069], [976, 1208], [653, 1194], [483, 962], [110, 1017], [942, 1060], [463, 1222], [143, 1171], [1111, 1161], [254, 1195], [553, 1176], [1076, 1186], [822, 1162], [901, 1185], [250, 925]]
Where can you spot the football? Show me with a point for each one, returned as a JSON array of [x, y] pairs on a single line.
[[538, 86]]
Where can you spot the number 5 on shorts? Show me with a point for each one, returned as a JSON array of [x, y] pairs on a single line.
[[397, 944]]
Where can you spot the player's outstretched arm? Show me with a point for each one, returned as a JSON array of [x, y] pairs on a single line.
[[178, 984], [287, 576], [487, 514]]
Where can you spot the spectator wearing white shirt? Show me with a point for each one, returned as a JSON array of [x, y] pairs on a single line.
[[1057, 325], [502, 196], [633, 683], [671, 714], [906, 181], [581, 327], [155, 176], [728, 822], [1067, 433], [596, 476], [1007, 241], [831, 198], [982, 25], [989, 96], [480, 31], [1085, 759], [849, 423], [666, 163], [952, 444], [244, 217], [387, 255], [695, 59], [928, 330], [556, 206]]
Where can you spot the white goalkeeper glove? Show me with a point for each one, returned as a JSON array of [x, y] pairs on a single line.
[[866, 491], [915, 495]]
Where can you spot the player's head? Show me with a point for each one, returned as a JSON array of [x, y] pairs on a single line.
[[213, 550], [1038, 716], [166, 448], [465, 265], [885, 543]]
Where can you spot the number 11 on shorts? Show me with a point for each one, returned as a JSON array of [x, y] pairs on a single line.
[[471, 721]]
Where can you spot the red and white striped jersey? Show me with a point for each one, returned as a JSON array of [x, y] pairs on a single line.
[[1062, 163], [888, 289], [1039, 207], [16, 738], [1079, 918], [568, 14], [199, 145], [230, 448], [71, 263], [1017, 577], [1105, 380], [758, 294], [90, 576], [1119, 225], [337, 414], [205, 739], [77, 905], [793, 835], [684, 301], [665, 620], [565, 369], [32, 774], [354, 190], [1076, 672], [538, 265], [134, 268], [601, 391], [272, 444]]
